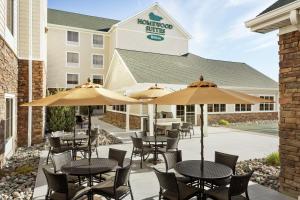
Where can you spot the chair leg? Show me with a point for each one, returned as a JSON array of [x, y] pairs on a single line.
[[48, 156], [131, 194], [159, 196], [247, 196], [141, 164], [131, 157], [97, 152]]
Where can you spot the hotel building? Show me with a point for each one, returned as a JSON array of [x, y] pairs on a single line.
[[127, 56]]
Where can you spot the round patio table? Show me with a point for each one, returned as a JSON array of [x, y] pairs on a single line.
[[151, 139], [84, 168], [211, 171]]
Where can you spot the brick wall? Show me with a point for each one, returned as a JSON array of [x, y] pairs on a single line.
[[8, 84], [119, 120], [289, 123], [242, 117], [37, 92]]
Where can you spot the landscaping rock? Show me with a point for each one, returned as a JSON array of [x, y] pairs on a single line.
[[17, 178]]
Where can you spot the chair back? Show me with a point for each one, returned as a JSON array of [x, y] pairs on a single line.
[[56, 182], [176, 126], [117, 155], [94, 138], [226, 159], [173, 133], [171, 158], [122, 176], [185, 125], [239, 184], [54, 142], [172, 144], [61, 159], [137, 142], [167, 182], [140, 134]]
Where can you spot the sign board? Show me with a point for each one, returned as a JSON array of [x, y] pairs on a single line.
[[154, 27]]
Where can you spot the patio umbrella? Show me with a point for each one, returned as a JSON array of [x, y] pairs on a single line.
[[148, 95], [203, 92], [88, 94]]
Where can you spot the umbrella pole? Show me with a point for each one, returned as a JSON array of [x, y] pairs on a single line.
[[155, 142], [74, 133], [202, 137], [89, 132]]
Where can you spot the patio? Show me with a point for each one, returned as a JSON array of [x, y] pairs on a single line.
[[144, 183]]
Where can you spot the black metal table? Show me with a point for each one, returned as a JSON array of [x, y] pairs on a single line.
[[211, 171], [84, 168], [151, 139]]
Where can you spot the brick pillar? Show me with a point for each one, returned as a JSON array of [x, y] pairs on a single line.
[[37, 92], [289, 123]]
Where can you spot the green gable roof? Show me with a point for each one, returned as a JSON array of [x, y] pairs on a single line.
[[80, 21], [161, 68], [276, 5]]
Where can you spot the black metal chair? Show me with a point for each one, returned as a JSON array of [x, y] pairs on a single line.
[[60, 189], [238, 186], [172, 145], [84, 149], [171, 158], [173, 134], [185, 129], [118, 188], [61, 159], [56, 147], [175, 126], [140, 134], [227, 160], [172, 189], [139, 150], [191, 127]]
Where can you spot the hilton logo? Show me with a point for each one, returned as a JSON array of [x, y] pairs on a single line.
[[154, 27]]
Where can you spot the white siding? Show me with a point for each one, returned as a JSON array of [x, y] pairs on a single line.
[[2, 17], [23, 46]]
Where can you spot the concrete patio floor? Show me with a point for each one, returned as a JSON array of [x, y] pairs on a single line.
[[144, 182]]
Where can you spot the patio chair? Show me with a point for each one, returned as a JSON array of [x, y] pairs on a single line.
[[173, 134], [56, 147], [140, 134], [139, 149], [84, 149], [238, 186], [61, 159], [185, 129], [172, 145], [172, 189], [171, 158], [191, 127], [59, 188], [118, 188], [175, 126], [227, 160]]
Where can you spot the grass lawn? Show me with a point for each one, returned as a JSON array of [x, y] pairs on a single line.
[[266, 127]]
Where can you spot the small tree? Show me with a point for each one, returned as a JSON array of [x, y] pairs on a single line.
[[59, 118]]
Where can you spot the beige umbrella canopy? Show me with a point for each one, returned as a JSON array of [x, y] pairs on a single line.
[[87, 94], [203, 92]]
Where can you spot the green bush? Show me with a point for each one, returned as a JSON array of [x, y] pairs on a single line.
[[273, 159], [60, 118], [223, 122]]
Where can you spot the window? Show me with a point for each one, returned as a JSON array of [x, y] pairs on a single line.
[[180, 112], [72, 59], [242, 107], [216, 108], [9, 118], [10, 15], [72, 37], [121, 108], [186, 113], [98, 41], [72, 79], [97, 61], [97, 79], [267, 106]]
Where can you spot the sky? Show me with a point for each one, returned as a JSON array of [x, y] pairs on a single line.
[[217, 26]]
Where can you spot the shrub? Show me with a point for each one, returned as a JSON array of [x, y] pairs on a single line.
[[223, 122], [273, 159], [25, 169]]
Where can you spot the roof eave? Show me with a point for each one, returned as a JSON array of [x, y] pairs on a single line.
[[275, 19]]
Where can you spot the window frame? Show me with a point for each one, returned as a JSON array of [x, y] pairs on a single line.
[[92, 61], [219, 105], [72, 85], [116, 108], [12, 27], [246, 108], [264, 104], [73, 65], [92, 78], [92, 41], [71, 43], [12, 97]]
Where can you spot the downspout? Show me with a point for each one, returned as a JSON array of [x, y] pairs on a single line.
[[29, 139]]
